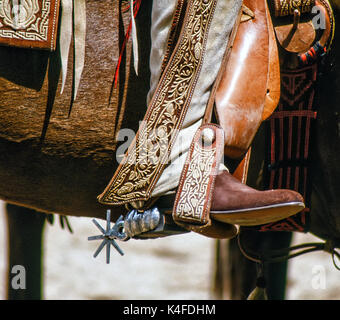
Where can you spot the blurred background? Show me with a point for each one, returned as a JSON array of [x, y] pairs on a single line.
[[178, 267]]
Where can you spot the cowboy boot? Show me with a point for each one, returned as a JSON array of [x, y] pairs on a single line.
[[236, 203]]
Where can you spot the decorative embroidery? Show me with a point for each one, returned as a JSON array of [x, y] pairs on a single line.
[[287, 7], [193, 198], [148, 153], [26, 22]]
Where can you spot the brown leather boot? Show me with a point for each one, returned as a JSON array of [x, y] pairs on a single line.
[[236, 203]]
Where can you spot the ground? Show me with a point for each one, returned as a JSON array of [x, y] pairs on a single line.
[[178, 267]]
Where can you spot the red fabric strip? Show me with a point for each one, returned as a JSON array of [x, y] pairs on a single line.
[[136, 7]]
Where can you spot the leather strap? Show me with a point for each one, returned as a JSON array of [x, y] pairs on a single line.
[[193, 198], [147, 156], [273, 80], [73, 23], [211, 102]]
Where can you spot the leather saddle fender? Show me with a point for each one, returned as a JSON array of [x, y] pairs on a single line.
[[249, 88]]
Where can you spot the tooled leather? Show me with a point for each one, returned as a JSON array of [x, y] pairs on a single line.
[[193, 198], [240, 97], [174, 31], [287, 7], [33, 24], [302, 38], [328, 34], [141, 167]]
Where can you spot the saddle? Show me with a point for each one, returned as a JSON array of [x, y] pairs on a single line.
[[255, 55], [254, 66]]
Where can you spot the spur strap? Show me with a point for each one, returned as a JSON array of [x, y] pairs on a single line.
[[193, 198], [148, 154]]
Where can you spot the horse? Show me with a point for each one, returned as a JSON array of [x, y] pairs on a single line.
[[52, 161], [47, 169], [57, 159]]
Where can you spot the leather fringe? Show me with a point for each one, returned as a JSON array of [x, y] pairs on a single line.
[[73, 23]]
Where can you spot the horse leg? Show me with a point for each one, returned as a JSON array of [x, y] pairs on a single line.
[[276, 273], [25, 230]]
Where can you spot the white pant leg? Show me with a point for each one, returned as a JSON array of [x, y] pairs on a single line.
[[221, 26]]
